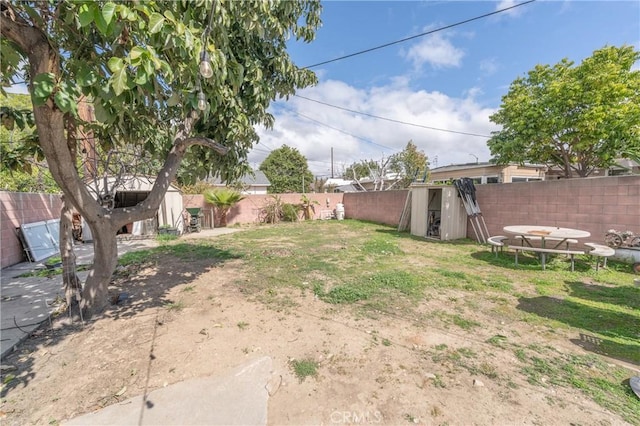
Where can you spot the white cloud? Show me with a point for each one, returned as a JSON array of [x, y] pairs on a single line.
[[436, 50], [489, 66], [356, 137], [503, 4]]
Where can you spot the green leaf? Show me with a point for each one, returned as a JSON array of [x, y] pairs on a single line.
[[119, 81], [141, 77], [43, 85], [65, 102], [169, 15], [236, 75], [115, 64], [174, 99], [156, 21], [101, 24], [86, 14], [136, 52], [102, 115], [86, 77], [108, 11], [148, 67]]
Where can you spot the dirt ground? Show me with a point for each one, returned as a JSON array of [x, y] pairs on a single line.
[[177, 325]]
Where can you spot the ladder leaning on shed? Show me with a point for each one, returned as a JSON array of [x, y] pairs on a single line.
[[467, 192]]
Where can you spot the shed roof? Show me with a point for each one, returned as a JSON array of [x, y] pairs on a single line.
[[259, 179]]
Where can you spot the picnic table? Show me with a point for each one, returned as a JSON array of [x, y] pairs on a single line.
[[552, 234]]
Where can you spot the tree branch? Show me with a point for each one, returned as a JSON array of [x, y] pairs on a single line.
[[202, 141], [167, 173]]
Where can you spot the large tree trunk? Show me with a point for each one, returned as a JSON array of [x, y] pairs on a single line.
[[51, 124], [105, 258], [70, 281]]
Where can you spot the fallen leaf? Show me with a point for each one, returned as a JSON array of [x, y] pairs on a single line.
[[121, 391]]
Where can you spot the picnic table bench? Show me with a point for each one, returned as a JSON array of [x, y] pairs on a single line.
[[559, 241], [543, 252]]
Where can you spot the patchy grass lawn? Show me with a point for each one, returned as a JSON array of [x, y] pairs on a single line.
[[381, 272], [363, 324]]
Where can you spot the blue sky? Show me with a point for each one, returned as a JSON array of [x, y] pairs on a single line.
[[452, 79]]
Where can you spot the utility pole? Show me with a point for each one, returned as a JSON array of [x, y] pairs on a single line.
[[331, 162]]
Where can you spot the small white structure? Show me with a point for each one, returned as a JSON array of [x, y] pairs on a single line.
[[437, 212], [134, 189]]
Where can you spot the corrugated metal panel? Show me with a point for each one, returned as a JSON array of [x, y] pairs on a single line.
[[444, 203], [419, 211]]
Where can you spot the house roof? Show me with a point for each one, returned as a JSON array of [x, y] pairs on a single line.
[[337, 182], [468, 166], [260, 179]]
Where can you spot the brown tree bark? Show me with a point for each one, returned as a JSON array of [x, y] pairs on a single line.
[[51, 123], [70, 281]]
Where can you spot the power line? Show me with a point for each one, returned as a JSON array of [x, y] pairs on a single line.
[[343, 131], [395, 121], [419, 35]]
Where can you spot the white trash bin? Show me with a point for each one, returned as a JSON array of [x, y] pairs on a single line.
[[340, 211]]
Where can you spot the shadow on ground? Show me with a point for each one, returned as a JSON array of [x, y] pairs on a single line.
[[616, 295], [143, 280], [530, 262], [145, 277], [607, 324]]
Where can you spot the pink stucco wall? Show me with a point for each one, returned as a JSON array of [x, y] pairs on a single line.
[[247, 210], [592, 204], [17, 208]]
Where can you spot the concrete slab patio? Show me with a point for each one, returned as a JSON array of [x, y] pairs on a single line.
[[239, 397]]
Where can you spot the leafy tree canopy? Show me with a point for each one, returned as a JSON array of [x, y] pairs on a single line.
[[287, 170], [578, 118], [360, 169], [137, 65], [410, 164], [406, 166], [21, 160]]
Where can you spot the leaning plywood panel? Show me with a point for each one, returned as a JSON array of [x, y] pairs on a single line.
[[41, 238]]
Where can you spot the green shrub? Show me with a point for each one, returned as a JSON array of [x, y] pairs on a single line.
[[290, 213]]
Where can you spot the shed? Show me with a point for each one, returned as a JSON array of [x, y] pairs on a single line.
[[437, 212], [135, 189]]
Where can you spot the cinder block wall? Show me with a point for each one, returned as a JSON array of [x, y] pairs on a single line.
[[17, 208], [247, 210], [591, 204], [376, 206]]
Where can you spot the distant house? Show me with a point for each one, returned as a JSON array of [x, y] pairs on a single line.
[[620, 168], [340, 185], [362, 185], [487, 172], [257, 184]]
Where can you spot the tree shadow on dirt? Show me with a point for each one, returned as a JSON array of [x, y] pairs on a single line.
[[605, 323], [143, 280]]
